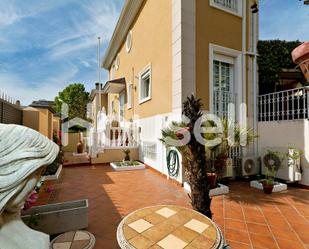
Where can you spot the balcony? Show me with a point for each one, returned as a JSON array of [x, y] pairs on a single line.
[[285, 105]]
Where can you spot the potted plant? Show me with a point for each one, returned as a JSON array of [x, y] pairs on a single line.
[[219, 151], [268, 183], [127, 155]]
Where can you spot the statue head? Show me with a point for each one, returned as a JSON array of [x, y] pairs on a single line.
[[23, 155]]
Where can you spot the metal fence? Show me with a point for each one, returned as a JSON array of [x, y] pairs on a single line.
[[10, 113], [286, 105]]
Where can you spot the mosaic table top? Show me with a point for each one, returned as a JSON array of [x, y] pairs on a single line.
[[168, 227], [74, 240]]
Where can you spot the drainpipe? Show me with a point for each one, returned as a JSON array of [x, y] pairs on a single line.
[[255, 118], [244, 41], [243, 116]]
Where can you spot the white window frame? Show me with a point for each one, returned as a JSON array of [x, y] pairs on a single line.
[[146, 71], [129, 41], [214, 53], [129, 95], [239, 13]]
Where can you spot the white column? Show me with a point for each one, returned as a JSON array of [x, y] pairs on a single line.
[[183, 51]]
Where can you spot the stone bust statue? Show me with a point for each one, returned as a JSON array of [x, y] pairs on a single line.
[[24, 153]]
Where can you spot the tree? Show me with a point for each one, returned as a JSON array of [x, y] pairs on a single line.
[[77, 99], [193, 154], [273, 56]]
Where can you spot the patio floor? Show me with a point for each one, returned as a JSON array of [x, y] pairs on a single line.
[[247, 217]]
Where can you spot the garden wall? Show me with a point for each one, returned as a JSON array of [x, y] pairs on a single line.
[[72, 142], [289, 133]]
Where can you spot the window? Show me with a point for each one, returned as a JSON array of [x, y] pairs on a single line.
[[223, 89], [129, 41], [145, 85], [231, 6], [149, 150], [129, 95], [121, 106], [112, 107]]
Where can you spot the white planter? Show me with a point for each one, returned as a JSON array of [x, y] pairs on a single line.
[[221, 190], [59, 217], [123, 168], [53, 177], [277, 187]]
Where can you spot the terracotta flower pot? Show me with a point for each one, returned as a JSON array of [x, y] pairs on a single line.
[[268, 188], [212, 180], [80, 147]]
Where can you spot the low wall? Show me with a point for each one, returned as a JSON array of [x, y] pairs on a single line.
[[150, 132], [114, 155], [291, 133]]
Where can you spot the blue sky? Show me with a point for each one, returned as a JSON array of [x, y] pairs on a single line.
[[45, 45]]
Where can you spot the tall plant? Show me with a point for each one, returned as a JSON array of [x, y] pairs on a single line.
[[193, 153]]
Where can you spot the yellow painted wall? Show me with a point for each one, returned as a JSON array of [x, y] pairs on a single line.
[[104, 102], [115, 99], [151, 43], [217, 27]]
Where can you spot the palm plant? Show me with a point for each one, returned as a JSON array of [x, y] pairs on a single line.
[[219, 151], [193, 154]]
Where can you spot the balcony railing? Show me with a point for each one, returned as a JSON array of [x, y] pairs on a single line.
[[286, 105], [120, 137], [221, 100], [228, 4]]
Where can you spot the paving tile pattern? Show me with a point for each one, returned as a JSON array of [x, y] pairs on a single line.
[[180, 228], [247, 217]]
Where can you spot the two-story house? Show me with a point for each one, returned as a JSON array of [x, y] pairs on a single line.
[[162, 51]]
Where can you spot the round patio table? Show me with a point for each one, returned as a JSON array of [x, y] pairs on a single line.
[[168, 227]]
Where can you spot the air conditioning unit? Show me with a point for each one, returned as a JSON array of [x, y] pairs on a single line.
[[249, 166], [285, 160]]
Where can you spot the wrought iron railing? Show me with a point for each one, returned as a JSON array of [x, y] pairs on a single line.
[[228, 4], [285, 105], [221, 100]]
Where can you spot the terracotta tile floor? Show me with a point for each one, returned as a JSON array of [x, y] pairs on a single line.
[[247, 217]]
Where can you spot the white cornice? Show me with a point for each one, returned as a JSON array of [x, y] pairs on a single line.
[[127, 16]]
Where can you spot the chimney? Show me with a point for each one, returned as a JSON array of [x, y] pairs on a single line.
[[97, 86]]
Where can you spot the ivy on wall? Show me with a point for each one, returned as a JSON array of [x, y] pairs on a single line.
[[273, 56]]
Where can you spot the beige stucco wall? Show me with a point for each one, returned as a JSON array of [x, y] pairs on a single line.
[[151, 43], [44, 126], [72, 142], [31, 118], [114, 155], [39, 119]]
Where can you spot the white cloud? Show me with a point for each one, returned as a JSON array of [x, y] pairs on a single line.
[[85, 63], [83, 33], [17, 88]]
